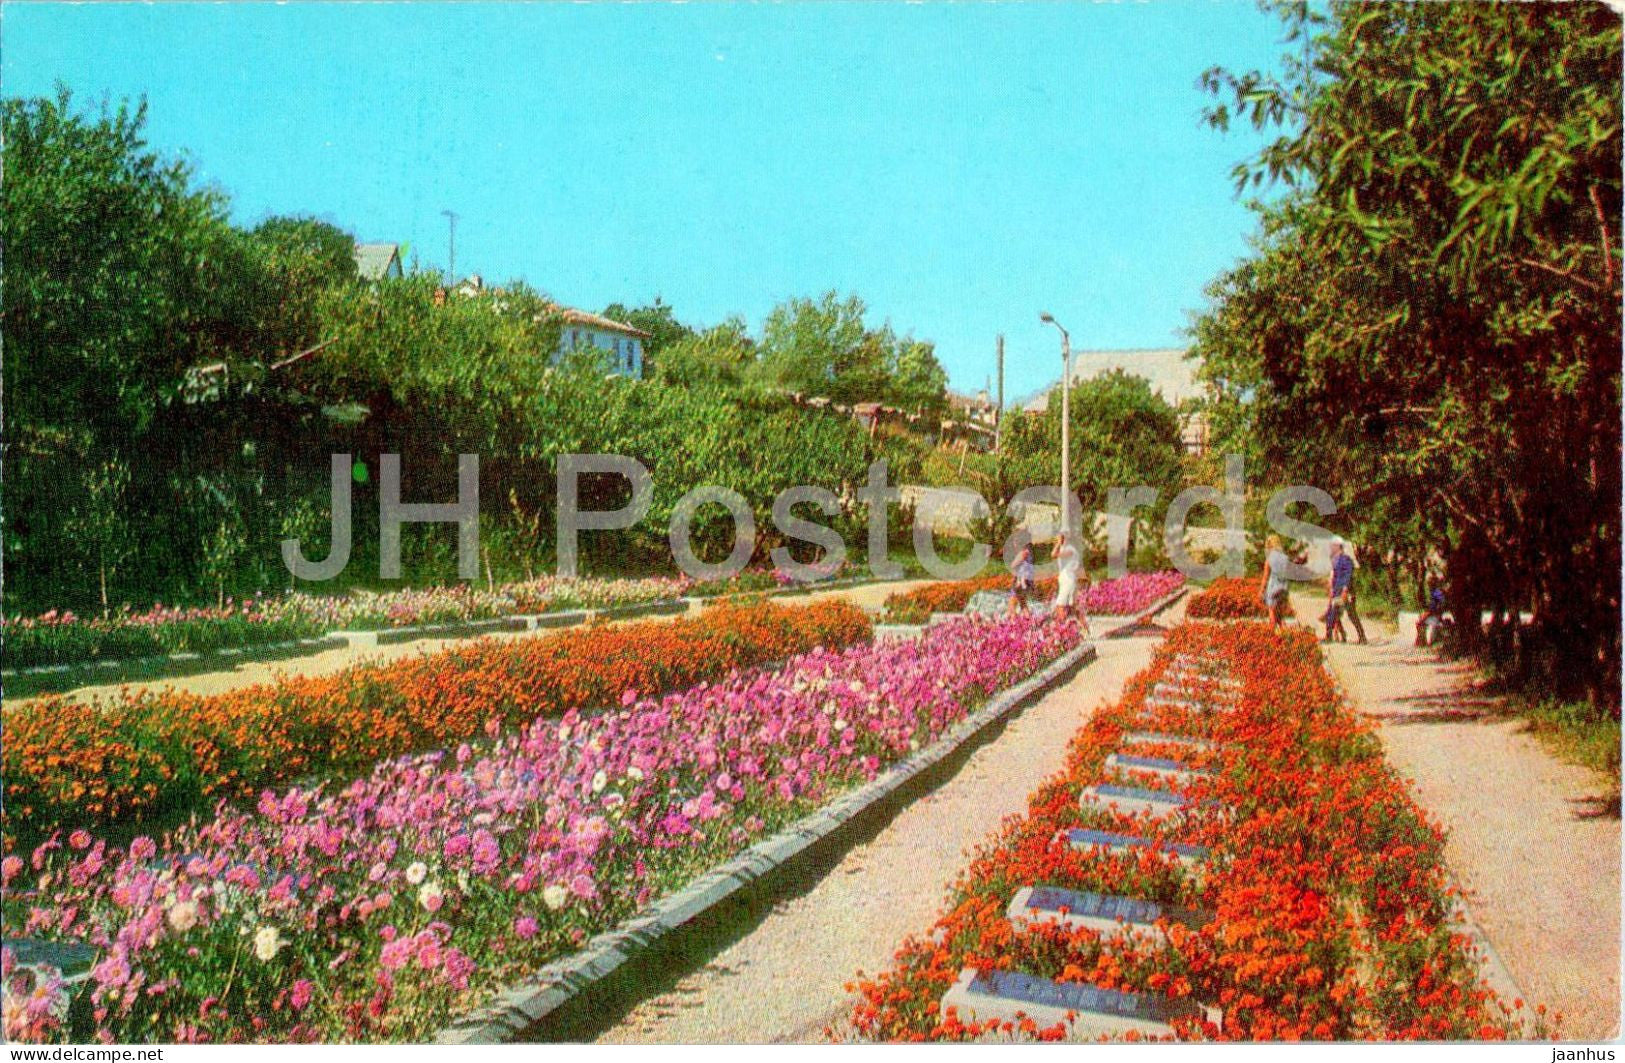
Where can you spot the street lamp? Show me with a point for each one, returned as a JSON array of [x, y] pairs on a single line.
[[451, 246], [1066, 422]]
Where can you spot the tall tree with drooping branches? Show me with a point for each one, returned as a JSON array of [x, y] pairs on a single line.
[[1429, 326]]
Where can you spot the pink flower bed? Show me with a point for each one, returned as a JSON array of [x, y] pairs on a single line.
[[1127, 595], [379, 910]]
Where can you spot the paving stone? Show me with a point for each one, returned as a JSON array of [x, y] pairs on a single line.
[[1088, 1011], [1175, 692], [1112, 842], [988, 603], [1158, 737], [1104, 913], [1133, 800], [1171, 771]]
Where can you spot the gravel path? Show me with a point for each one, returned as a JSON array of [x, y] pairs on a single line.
[[250, 672], [1535, 841], [784, 979]]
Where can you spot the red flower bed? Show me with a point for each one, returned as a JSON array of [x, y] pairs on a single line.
[[1331, 902], [1230, 598], [148, 756]]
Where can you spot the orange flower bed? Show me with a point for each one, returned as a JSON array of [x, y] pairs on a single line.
[[1330, 901], [160, 755], [1230, 598]]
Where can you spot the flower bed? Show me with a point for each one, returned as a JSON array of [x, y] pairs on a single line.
[[63, 638], [1331, 902], [1229, 598], [377, 910], [1124, 596], [139, 757]]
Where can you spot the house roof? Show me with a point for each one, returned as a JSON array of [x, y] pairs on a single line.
[[598, 321], [372, 261], [1169, 372]]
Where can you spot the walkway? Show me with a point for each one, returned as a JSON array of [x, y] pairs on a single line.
[[1535, 841], [784, 979], [251, 672]]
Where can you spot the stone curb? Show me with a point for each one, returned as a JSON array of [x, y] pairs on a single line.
[[1492, 968], [81, 673], [522, 1007]]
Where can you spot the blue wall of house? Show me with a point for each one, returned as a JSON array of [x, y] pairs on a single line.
[[625, 352]]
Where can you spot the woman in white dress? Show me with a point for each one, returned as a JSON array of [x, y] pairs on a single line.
[[1066, 588]]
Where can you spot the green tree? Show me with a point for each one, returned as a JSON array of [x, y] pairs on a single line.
[[100, 523], [721, 356], [1123, 435], [808, 344], [918, 382], [657, 320], [1429, 326], [302, 257], [120, 279]]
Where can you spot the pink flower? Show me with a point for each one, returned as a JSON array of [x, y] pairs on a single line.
[[524, 928], [395, 954], [299, 994], [143, 848], [79, 839]]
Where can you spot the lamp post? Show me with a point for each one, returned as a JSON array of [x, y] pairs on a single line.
[[451, 247], [1066, 422]]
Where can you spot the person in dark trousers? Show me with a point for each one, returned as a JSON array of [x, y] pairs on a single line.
[[1433, 619], [1340, 596]]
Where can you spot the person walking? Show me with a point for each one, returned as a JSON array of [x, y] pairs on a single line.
[[1274, 583], [1022, 572], [1340, 595], [1066, 584]]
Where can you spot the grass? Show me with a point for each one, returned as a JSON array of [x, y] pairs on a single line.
[[1571, 731]]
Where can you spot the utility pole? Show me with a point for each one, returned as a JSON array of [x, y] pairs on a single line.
[[451, 247], [998, 411]]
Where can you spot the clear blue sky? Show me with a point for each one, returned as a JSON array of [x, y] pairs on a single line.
[[961, 167]]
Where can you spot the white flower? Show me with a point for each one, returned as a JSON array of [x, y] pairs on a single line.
[[183, 916], [634, 773], [430, 896], [267, 943], [554, 897], [599, 781], [416, 872], [839, 725]]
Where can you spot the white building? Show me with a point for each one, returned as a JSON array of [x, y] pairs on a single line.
[[376, 262], [1170, 374], [623, 342]]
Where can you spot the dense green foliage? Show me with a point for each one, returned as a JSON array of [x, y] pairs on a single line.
[[1123, 435], [175, 386], [823, 347], [1429, 327]]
